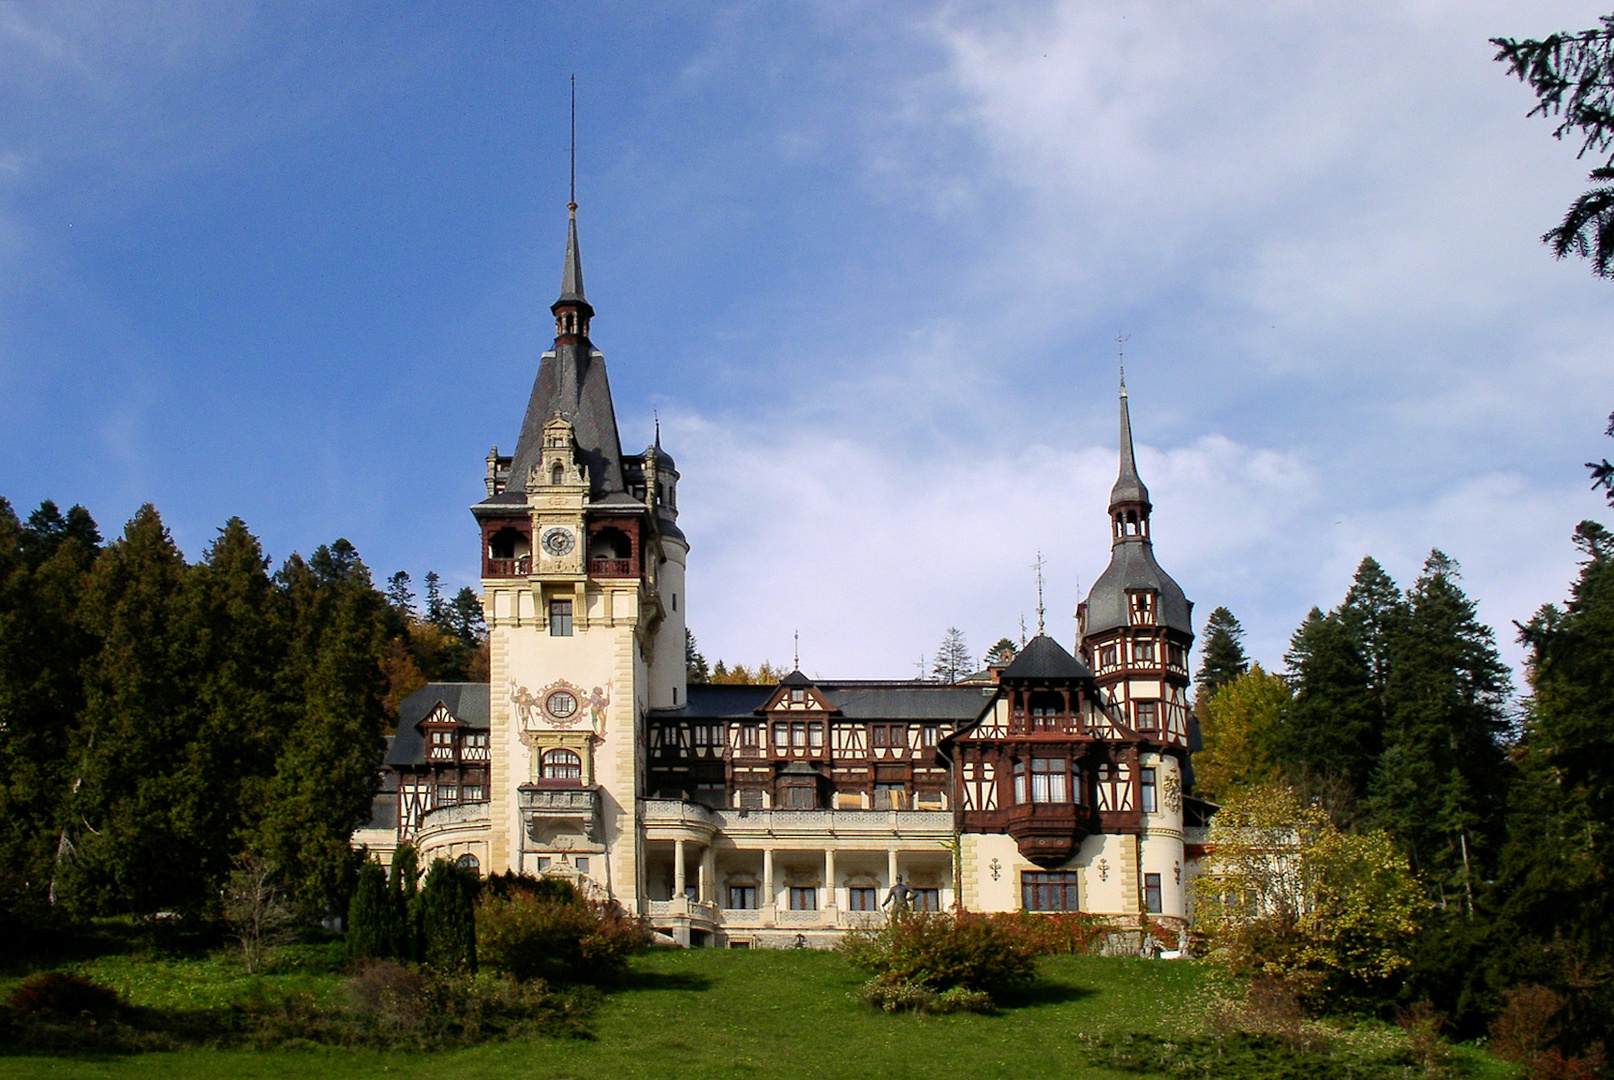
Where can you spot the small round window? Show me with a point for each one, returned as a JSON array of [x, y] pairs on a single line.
[[562, 704]]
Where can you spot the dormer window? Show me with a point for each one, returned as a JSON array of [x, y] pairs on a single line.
[[797, 696], [1141, 606]]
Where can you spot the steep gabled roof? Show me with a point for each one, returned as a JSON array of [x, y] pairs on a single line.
[[469, 703], [1043, 658]]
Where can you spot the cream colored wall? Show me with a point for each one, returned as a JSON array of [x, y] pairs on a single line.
[[668, 673]]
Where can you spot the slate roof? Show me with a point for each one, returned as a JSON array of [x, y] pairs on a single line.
[[1044, 658], [571, 381], [469, 703], [1128, 485], [854, 700], [1132, 566]]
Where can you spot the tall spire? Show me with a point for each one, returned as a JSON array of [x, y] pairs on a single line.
[[571, 277], [1128, 487]]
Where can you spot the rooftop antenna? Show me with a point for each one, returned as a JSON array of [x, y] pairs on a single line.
[[921, 677], [571, 203], [1038, 565]]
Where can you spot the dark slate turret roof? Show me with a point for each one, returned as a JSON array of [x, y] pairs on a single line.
[[1132, 566], [469, 703], [571, 381], [1043, 658], [1128, 485]]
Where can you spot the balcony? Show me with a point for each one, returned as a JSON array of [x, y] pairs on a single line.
[[602, 568], [473, 813], [554, 816], [1049, 832], [507, 567]]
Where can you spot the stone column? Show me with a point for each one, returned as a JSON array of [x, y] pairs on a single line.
[[891, 867], [678, 869], [769, 898], [708, 880], [829, 880]]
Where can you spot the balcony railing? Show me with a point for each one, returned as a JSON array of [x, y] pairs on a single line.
[[507, 567], [611, 568], [454, 814], [559, 800]]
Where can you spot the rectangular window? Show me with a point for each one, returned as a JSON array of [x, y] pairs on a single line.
[[801, 798], [447, 793], [581, 862], [714, 795], [1076, 782], [475, 793], [1143, 652], [803, 898], [1147, 714], [815, 735], [1151, 893], [899, 736], [543, 863], [862, 899], [798, 696], [927, 899], [877, 735], [749, 735], [781, 734], [928, 737], [560, 618], [1107, 656], [1048, 780], [889, 796], [703, 735], [743, 897], [1020, 782], [1149, 803], [1055, 891]]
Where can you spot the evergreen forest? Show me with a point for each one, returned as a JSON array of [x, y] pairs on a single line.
[[163, 721]]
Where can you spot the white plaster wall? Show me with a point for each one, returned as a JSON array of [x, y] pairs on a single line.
[[668, 673]]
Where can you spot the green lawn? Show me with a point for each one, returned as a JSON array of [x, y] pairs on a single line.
[[712, 1014]]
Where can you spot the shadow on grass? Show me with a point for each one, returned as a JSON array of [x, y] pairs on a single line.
[[1043, 992], [636, 980]]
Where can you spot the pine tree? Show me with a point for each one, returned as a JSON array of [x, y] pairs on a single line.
[[952, 660], [371, 923], [695, 670], [1332, 736], [404, 884], [125, 850], [44, 570], [1001, 654], [400, 595], [326, 772], [465, 617], [1222, 656], [447, 919], [1440, 783], [436, 607]]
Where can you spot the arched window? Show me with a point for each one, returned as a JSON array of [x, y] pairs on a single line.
[[470, 864], [562, 765], [556, 474]]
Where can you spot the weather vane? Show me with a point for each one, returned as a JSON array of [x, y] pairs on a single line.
[[1120, 353], [1038, 566]]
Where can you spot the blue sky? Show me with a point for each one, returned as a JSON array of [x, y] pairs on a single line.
[[866, 260]]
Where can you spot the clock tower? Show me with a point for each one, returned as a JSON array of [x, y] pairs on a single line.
[[582, 583]]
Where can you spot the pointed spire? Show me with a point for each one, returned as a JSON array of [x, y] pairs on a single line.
[[571, 278], [1128, 487]]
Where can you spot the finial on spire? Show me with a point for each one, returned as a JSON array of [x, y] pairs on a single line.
[[796, 660], [571, 202], [1120, 353], [657, 414], [1022, 631], [1038, 565]]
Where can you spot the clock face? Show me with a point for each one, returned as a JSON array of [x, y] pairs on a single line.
[[558, 541], [562, 705]]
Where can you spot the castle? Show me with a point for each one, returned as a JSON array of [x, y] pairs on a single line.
[[765, 815]]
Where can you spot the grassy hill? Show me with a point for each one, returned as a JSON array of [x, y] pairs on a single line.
[[712, 1014]]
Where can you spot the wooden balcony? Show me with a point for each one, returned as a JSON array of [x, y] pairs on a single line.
[[507, 567], [1049, 832], [611, 568]]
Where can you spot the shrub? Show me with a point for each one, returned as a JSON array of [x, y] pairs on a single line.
[[447, 919], [529, 935], [1054, 933], [1525, 1031], [59, 993], [937, 953], [372, 921]]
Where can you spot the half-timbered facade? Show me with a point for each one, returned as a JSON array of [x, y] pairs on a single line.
[[778, 814]]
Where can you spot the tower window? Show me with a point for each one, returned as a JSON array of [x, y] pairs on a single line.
[[560, 618], [1151, 893], [1150, 803], [1147, 714], [562, 765]]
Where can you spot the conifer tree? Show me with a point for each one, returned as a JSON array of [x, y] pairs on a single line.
[[326, 772], [371, 923], [1222, 656], [695, 670], [952, 660], [404, 883], [1001, 654], [1557, 910], [1333, 728], [447, 919], [1440, 782], [125, 849], [400, 595], [44, 568]]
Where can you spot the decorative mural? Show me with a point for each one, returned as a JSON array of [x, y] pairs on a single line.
[[561, 705]]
